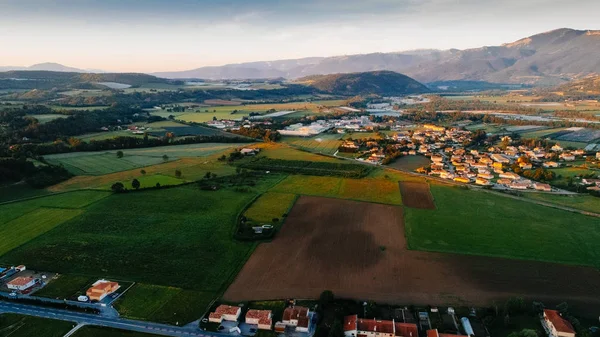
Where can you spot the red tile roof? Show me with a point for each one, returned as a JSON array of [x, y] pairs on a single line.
[[260, 314], [20, 281], [375, 325], [294, 313], [303, 322], [432, 333], [350, 322], [560, 324], [226, 310], [406, 330]]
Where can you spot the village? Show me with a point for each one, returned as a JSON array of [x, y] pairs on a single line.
[[498, 166]]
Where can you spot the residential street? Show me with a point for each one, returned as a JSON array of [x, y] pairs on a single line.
[[90, 319]]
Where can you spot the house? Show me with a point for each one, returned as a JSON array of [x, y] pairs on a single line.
[[525, 166], [297, 317], [585, 181], [280, 327], [579, 152], [485, 176], [354, 327], [566, 157], [249, 152], [100, 289], [519, 186], [462, 180], [597, 155], [482, 181], [262, 318], [225, 313], [542, 187], [509, 175], [557, 148], [550, 164], [21, 283], [556, 325]]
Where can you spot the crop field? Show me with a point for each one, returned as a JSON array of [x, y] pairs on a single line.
[[416, 195], [494, 225], [45, 118], [226, 112], [269, 206], [584, 136], [20, 191], [147, 181], [191, 168], [580, 201], [367, 189], [108, 135], [326, 143], [163, 304], [101, 163], [152, 237], [410, 163], [14, 325], [541, 133], [362, 135], [23, 221], [358, 250], [282, 151], [65, 286]]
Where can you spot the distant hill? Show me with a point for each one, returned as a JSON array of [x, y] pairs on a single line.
[[35, 79], [384, 83], [48, 66], [588, 86], [549, 58]]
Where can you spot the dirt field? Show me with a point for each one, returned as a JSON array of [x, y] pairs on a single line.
[[416, 195], [358, 250]]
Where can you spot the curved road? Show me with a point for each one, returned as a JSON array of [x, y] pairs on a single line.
[[118, 323]]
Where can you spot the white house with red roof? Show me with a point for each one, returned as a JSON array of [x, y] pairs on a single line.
[[225, 312], [364, 327], [556, 325]]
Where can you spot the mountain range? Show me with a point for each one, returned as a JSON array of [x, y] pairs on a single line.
[[548, 58], [49, 66]]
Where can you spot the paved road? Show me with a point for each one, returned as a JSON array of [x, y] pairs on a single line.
[[90, 319]]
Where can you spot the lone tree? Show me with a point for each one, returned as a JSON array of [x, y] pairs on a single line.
[[326, 299], [165, 157], [117, 187], [119, 154], [135, 184], [207, 175], [178, 173], [143, 172]]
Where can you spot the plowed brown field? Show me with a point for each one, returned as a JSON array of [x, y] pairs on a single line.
[[416, 195], [358, 250]]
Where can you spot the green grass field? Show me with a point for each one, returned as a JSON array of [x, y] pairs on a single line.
[[225, 112], [101, 163], [97, 163], [540, 133], [147, 181], [480, 223], [20, 191], [410, 163], [65, 286], [13, 325], [178, 237], [379, 190], [23, 221], [580, 201], [163, 304], [96, 331], [108, 135], [325, 143], [45, 118], [269, 206], [282, 151]]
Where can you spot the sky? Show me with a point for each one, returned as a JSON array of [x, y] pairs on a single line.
[[170, 35]]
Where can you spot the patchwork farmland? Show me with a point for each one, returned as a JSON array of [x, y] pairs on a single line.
[[358, 250], [416, 195]]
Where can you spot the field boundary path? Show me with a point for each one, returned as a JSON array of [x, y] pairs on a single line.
[[117, 323]]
